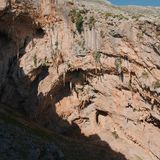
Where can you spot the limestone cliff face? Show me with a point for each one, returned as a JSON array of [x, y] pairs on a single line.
[[89, 64]]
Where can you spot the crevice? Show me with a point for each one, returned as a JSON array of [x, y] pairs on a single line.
[[153, 120], [156, 50], [102, 113], [124, 58]]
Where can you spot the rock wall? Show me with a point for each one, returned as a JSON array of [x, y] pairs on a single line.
[[96, 69]]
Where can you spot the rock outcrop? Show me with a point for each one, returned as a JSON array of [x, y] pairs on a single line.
[[85, 64], [4, 4]]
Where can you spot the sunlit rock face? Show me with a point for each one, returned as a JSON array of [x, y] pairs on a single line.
[[3, 4], [85, 64]]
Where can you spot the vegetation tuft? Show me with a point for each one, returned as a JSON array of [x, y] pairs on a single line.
[[156, 84], [97, 56], [145, 74], [35, 60], [115, 135], [77, 18], [91, 22]]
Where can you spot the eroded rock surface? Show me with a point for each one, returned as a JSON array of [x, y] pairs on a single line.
[[86, 64]]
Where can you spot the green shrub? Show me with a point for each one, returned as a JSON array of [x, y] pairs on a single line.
[[115, 135], [77, 18], [82, 44], [140, 35], [144, 30], [145, 74], [91, 22], [35, 60], [79, 23], [120, 16], [156, 84], [136, 17], [107, 15], [97, 56], [72, 14], [118, 63]]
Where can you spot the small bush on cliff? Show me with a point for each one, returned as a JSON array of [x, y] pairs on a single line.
[[79, 23], [145, 74], [118, 64], [91, 22], [137, 17], [119, 16], [107, 15], [77, 18], [35, 60], [72, 14], [115, 135], [156, 84], [97, 56]]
